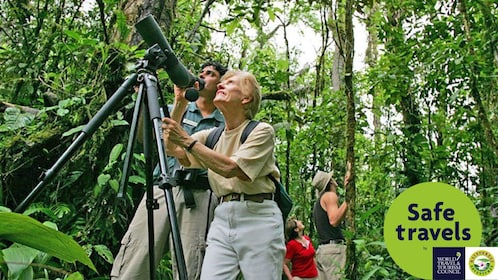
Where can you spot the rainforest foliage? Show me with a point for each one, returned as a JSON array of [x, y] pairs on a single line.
[[414, 101]]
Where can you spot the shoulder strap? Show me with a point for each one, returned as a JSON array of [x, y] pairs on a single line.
[[247, 130], [215, 134]]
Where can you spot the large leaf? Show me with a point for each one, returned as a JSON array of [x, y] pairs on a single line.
[[18, 258], [28, 231]]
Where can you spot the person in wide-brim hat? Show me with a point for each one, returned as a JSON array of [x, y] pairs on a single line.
[[328, 214], [322, 180]]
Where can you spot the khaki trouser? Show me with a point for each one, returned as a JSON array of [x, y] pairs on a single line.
[[132, 260], [330, 261], [245, 237]]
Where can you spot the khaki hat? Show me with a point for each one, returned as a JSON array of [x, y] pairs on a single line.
[[321, 180]]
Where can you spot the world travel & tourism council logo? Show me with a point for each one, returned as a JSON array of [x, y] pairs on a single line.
[[448, 263]]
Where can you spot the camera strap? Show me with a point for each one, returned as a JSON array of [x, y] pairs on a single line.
[[188, 195]]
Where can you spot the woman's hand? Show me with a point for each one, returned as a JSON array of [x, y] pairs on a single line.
[[175, 140], [174, 132]]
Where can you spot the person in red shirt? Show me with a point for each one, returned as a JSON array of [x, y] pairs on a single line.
[[300, 253]]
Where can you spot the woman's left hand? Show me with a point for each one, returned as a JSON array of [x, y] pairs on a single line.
[[174, 132]]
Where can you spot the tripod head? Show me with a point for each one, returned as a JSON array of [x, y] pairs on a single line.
[[153, 59], [151, 33]]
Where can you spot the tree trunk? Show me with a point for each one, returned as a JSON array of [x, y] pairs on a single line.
[[343, 68], [350, 135]]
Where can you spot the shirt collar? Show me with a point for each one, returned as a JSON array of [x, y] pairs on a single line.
[[216, 114]]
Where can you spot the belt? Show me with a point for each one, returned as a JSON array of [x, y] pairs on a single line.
[[251, 197], [334, 241]]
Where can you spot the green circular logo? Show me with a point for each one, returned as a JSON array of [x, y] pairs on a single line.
[[425, 216], [481, 263]]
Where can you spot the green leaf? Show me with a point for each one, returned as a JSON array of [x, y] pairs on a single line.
[[137, 180], [103, 179], [73, 130], [18, 259], [116, 151], [370, 274], [119, 123], [104, 252], [73, 34], [5, 209], [28, 231], [114, 185], [75, 276], [14, 119], [231, 27]]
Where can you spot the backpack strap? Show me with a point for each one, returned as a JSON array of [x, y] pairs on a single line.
[[215, 134], [247, 130]]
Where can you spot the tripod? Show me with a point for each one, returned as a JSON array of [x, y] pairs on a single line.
[[147, 96]]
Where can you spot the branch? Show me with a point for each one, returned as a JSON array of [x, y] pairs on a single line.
[[196, 27], [101, 5], [25, 109], [280, 95]]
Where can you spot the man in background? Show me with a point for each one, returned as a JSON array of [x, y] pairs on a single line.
[[327, 215], [194, 200]]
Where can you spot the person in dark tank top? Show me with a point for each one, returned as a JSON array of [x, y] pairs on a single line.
[[328, 214]]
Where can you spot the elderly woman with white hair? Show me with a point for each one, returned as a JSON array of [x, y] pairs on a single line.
[[246, 235]]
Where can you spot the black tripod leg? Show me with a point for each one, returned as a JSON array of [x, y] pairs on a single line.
[[155, 117], [131, 142], [150, 202], [87, 132]]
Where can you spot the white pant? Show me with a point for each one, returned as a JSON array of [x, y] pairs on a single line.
[[245, 237], [132, 260]]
